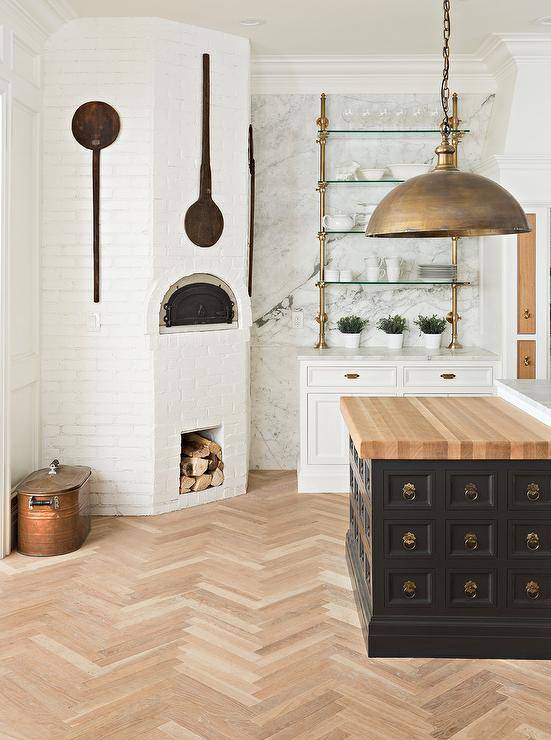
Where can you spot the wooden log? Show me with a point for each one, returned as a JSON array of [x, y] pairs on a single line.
[[186, 483], [195, 466], [213, 446], [202, 482], [217, 478], [192, 448], [214, 462]]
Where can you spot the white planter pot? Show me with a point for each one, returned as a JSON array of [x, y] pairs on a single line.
[[352, 341], [395, 341], [433, 341]]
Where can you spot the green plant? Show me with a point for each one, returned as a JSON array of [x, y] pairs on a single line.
[[430, 324], [392, 324], [351, 324]]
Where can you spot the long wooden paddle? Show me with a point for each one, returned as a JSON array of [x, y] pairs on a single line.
[[252, 193], [204, 222], [95, 126]]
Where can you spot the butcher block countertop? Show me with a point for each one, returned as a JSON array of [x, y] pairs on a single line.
[[443, 428]]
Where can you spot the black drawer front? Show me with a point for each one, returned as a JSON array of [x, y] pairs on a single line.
[[408, 539], [471, 538], [409, 588], [407, 491], [529, 589], [529, 492], [529, 539], [471, 492], [471, 588]]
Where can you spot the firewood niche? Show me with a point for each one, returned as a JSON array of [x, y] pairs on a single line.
[[201, 465]]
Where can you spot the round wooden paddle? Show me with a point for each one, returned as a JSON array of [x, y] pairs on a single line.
[[204, 222], [95, 126]]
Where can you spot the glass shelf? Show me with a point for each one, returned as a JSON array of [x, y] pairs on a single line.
[[395, 282], [390, 132], [363, 182]]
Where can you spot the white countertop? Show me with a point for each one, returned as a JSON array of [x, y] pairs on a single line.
[[467, 354], [532, 396]]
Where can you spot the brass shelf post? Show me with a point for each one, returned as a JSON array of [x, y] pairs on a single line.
[[323, 125], [453, 316]]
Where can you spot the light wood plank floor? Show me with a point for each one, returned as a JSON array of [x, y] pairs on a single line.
[[230, 620]]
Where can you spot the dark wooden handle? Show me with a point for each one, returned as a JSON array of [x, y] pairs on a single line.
[[252, 172], [206, 181], [95, 200]]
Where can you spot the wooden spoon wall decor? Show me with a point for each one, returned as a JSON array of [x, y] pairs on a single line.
[[204, 222], [95, 126]]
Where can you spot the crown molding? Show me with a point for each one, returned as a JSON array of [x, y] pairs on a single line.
[[37, 18], [502, 52], [360, 74]]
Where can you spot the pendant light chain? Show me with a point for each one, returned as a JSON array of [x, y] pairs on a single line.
[[445, 90]]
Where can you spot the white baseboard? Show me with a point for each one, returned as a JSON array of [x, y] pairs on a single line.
[[323, 479]]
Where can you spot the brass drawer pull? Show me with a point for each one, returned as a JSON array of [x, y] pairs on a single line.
[[471, 541], [471, 589], [409, 541], [352, 376], [533, 590], [410, 589], [526, 314], [471, 492], [533, 492], [532, 541], [408, 491], [526, 360], [447, 376], [53, 502]]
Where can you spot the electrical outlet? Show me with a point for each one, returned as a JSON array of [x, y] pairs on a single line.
[[297, 319], [94, 322]]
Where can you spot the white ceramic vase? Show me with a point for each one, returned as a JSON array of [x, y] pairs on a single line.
[[351, 341], [395, 341], [433, 341]]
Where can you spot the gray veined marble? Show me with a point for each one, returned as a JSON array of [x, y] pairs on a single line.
[[286, 257]]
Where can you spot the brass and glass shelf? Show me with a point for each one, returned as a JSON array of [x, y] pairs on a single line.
[[323, 135]]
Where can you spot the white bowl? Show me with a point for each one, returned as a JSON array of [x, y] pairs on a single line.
[[405, 171], [370, 174]]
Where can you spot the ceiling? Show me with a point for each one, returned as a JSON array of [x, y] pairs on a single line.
[[372, 27]]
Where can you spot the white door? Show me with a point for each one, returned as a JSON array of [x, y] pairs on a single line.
[[327, 434]]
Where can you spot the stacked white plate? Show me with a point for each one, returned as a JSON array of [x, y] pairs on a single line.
[[437, 273]]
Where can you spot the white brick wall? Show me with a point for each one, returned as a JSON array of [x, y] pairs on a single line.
[[118, 399]]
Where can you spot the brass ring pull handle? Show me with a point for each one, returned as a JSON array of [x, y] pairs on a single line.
[[471, 492], [410, 589], [471, 541], [533, 492], [447, 376], [526, 314], [526, 361], [352, 376], [408, 491], [471, 589], [533, 590], [532, 541], [409, 541]]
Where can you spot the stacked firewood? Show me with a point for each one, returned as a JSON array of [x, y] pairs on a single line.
[[201, 463]]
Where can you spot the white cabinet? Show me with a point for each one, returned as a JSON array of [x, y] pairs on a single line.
[[325, 376]]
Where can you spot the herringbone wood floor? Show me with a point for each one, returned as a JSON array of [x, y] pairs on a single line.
[[230, 620]]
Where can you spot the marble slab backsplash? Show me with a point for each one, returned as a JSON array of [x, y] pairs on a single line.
[[286, 254]]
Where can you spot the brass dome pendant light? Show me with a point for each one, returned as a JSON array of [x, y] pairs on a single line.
[[447, 202]]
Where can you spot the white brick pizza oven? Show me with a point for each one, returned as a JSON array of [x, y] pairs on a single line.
[[121, 388]]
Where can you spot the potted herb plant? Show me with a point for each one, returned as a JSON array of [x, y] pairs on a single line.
[[393, 327], [351, 328], [432, 328]]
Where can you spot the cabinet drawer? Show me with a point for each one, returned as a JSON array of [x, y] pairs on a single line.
[[471, 539], [345, 377], [470, 492], [529, 589], [529, 539], [529, 492], [407, 491], [447, 377], [408, 539], [471, 588], [409, 588]]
